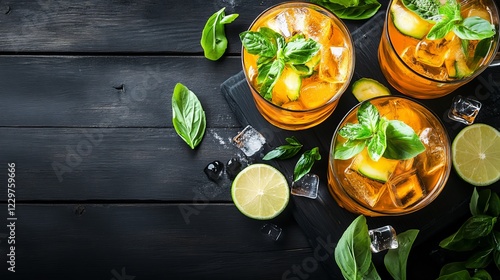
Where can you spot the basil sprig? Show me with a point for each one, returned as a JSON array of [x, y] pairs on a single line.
[[305, 163], [188, 116], [275, 53], [285, 151], [351, 9], [448, 18], [479, 235], [213, 37], [392, 139], [354, 257]]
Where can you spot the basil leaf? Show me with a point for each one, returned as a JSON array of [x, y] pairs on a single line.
[[480, 259], [450, 16], [396, 259], [475, 207], [188, 116], [368, 116], [372, 273], [474, 28], [481, 274], [352, 253], [482, 49], [478, 226], [299, 51], [378, 143], [364, 10], [494, 205], [257, 44], [348, 149], [452, 267], [354, 131], [457, 242], [268, 76], [285, 151], [305, 163], [426, 9], [402, 141], [440, 29], [213, 37]]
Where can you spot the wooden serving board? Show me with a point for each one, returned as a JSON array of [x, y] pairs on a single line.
[[322, 220]]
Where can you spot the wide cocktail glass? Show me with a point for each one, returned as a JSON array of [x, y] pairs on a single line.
[[413, 183], [426, 69], [332, 67]]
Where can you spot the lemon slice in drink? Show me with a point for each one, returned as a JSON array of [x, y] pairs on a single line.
[[260, 191], [476, 154]]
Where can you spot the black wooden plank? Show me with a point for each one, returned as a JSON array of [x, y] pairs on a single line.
[[113, 164], [108, 90], [148, 241], [118, 26]]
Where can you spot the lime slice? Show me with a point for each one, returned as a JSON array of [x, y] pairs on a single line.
[[476, 154], [260, 191]]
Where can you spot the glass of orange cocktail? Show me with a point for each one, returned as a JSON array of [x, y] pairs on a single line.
[[427, 52], [298, 59], [403, 177]]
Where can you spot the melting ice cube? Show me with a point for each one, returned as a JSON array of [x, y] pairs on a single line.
[[271, 231], [249, 141], [433, 158], [464, 109], [363, 189], [383, 238], [406, 189], [307, 186]]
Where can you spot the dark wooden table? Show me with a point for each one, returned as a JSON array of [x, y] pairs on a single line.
[[105, 189]]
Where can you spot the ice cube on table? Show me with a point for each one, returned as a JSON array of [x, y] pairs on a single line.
[[464, 109], [363, 189], [271, 231], [249, 141], [383, 238], [406, 189], [307, 186]]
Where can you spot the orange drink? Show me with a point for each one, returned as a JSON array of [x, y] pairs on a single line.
[[298, 59], [397, 182], [428, 53]]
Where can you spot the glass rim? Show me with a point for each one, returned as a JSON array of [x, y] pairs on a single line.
[[341, 26], [415, 207], [476, 73]]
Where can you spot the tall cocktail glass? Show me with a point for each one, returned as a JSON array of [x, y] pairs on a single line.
[[304, 94]]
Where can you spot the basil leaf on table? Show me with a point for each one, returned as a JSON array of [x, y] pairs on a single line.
[[364, 9], [188, 116], [285, 151], [396, 259], [352, 253], [213, 37], [305, 163]]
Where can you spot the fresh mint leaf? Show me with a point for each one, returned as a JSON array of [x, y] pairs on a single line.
[[285, 151], [268, 76], [396, 259], [474, 28], [299, 50], [213, 37], [305, 163], [352, 253], [348, 149], [353, 131], [402, 141], [426, 9], [188, 116], [364, 9], [368, 116]]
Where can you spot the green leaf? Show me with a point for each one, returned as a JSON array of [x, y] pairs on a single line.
[[348, 149], [352, 253], [496, 258], [440, 29], [305, 163], [213, 37], [458, 242], [188, 116], [478, 226], [353, 131], [474, 204], [402, 141], [450, 16], [494, 205], [299, 50], [459, 275], [452, 267], [368, 116], [364, 10], [426, 9], [396, 259], [372, 273], [482, 274], [474, 28], [480, 259], [257, 43], [285, 151], [268, 76], [378, 143], [482, 49]]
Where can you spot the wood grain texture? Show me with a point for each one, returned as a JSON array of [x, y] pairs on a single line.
[[89, 241], [90, 91]]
